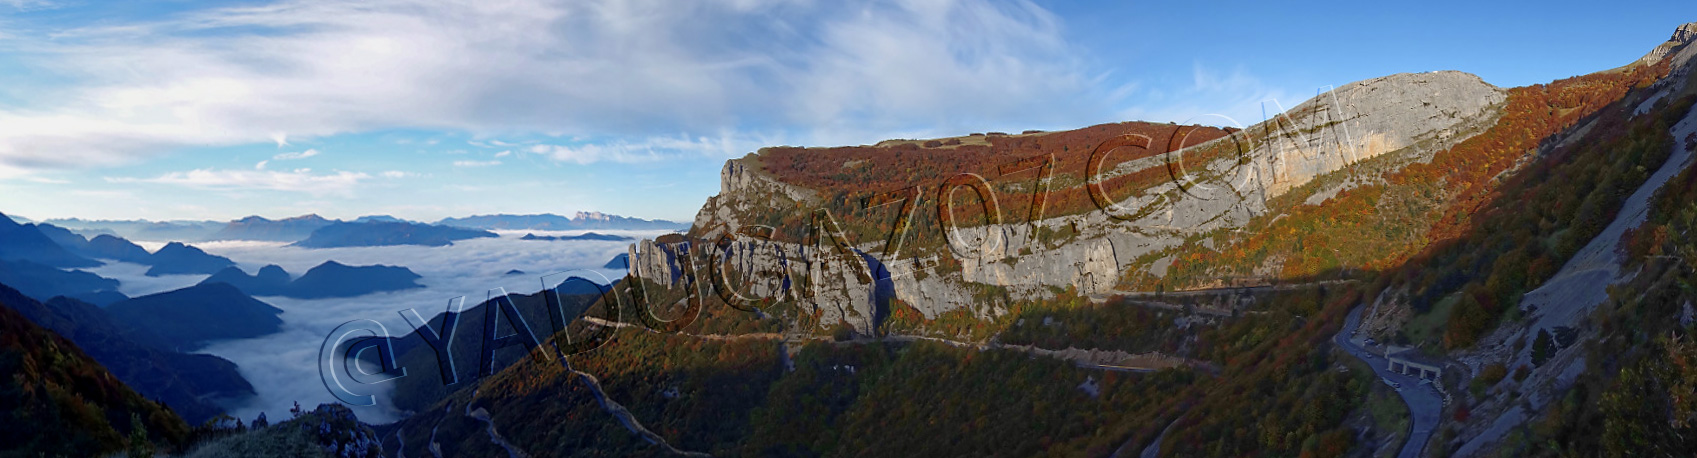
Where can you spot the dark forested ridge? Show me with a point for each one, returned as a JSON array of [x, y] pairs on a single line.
[[57, 401]]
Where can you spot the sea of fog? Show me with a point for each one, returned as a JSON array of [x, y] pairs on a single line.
[[283, 367]]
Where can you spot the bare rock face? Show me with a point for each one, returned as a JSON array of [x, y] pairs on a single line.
[[1410, 114], [1362, 120], [1686, 33], [743, 188], [1682, 36]]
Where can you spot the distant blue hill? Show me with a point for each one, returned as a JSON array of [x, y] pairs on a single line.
[[381, 219], [116, 248], [553, 222], [327, 280], [102, 246], [176, 258], [387, 234], [334, 279], [190, 317], [584, 236], [27, 243], [187, 231], [44, 282], [283, 230], [271, 280], [622, 261]]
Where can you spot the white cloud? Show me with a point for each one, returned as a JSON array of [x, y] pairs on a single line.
[[653, 149], [476, 163], [602, 68], [45, 180], [298, 180], [30, 5], [504, 153], [293, 156], [1212, 98]]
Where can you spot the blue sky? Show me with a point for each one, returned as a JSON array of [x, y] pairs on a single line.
[[432, 108]]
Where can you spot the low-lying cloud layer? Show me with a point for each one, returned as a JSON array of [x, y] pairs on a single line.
[[283, 367]]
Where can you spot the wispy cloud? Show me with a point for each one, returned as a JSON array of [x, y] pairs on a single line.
[[286, 157], [653, 149], [30, 5], [1213, 97], [476, 163], [599, 68], [293, 156], [298, 180]]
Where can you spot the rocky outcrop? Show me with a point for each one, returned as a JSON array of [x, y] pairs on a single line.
[[1362, 120], [1410, 114], [1682, 36], [744, 188]]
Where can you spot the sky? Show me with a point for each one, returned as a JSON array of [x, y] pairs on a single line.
[[425, 109]]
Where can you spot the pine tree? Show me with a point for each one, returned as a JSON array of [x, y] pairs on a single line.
[[140, 447]]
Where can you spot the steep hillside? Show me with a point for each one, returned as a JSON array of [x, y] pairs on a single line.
[[59, 402], [1088, 208], [140, 359], [1121, 290]]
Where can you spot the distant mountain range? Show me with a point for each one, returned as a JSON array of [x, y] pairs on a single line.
[[44, 282], [103, 246], [172, 259], [188, 231], [327, 280], [552, 222], [584, 236], [386, 234], [283, 230], [299, 228], [25, 242]]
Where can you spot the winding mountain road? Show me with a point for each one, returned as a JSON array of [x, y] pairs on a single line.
[[1424, 402]]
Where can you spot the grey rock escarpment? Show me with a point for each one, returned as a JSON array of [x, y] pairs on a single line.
[[1683, 35], [1413, 115]]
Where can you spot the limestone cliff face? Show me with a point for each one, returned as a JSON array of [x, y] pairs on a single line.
[[744, 188], [1682, 36], [1363, 120], [1409, 114]]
